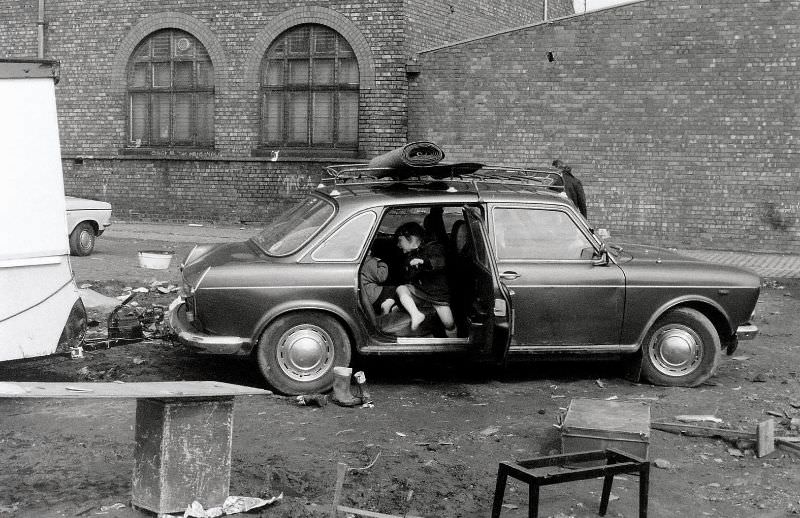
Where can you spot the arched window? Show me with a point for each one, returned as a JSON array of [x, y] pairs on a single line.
[[309, 86], [170, 92]]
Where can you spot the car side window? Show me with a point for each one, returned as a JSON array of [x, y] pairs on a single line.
[[538, 234], [346, 243]]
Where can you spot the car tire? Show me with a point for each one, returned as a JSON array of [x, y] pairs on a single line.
[[297, 352], [682, 349], [81, 241]]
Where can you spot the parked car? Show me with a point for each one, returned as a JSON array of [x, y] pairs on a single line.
[[530, 278], [86, 220]]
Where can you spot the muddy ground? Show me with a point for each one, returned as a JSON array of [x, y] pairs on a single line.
[[430, 445]]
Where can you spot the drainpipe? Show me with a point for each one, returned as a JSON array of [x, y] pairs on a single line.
[[40, 24], [545, 9]]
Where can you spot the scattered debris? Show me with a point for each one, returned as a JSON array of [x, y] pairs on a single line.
[[141, 289], [401, 434], [761, 377], [319, 400], [600, 383], [697, 418], [112, 507], [740, 358], [232, 505], [662, 464], [735, 452], [764, 439], [486, 432]]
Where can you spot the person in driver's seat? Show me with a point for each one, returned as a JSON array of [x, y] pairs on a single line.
[[425, 277]]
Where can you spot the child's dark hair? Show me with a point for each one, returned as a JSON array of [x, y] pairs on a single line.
[[409, 229]]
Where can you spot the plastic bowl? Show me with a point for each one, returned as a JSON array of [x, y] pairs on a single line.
[[155, 259]]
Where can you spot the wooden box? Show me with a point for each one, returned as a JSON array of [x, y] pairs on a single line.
[[594, 424], [182, 453]]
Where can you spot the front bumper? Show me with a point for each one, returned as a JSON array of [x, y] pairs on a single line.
[[203, 342]]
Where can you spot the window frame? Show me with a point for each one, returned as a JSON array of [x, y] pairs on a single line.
[[278, 52], [195, 90]]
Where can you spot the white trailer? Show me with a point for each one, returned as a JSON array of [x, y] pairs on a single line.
[[41, 311]]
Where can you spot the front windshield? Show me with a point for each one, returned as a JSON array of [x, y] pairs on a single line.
[[291, 230]]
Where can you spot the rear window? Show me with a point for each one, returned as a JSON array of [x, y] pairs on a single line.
[[291, 230]]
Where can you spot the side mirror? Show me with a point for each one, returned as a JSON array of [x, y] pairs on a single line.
[[601, 258]]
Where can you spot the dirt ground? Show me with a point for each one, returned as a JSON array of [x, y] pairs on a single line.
[[430, 446]]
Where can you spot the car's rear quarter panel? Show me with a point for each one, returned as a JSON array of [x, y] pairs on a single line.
[[241, 300]]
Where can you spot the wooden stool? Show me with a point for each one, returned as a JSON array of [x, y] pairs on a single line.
[[617, 462]]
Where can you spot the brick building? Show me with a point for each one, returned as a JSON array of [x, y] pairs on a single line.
[[225, 111], [681, 117]]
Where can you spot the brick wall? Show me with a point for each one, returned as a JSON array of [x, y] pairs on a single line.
[[681, 117], [93, 39], [435, 22]]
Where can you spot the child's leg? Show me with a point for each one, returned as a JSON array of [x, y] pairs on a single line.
[[407, 301], [446, 316]]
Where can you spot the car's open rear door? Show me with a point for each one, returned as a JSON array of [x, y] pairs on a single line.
[[491, 315]]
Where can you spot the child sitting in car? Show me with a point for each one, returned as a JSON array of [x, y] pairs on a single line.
[[425, 278]]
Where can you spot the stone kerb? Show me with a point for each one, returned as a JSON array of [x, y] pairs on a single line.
[[169, 20], [310, 14]]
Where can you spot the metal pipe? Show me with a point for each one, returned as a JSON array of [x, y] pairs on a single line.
[[545, 9], [40, 24]]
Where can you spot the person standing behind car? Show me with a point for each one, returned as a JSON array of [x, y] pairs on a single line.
[[573, 187]]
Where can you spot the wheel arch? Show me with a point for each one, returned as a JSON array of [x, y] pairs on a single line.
[[342, 317], [707, 307], [92, 223]]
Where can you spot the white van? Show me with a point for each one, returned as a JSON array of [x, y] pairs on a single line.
[[40, 307]]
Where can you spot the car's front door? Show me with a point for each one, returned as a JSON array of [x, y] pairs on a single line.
[[490, 316], [562, 296]]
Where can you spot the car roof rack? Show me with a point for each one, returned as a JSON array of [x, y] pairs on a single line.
[[472, 172]]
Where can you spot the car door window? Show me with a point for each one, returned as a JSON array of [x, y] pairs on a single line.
[[538, 234], [347, 242]]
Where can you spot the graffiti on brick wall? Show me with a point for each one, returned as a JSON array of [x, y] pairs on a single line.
[[779, 216], [294, 182]]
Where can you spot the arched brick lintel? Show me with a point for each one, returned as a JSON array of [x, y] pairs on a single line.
[[311, 14], [169, 20]]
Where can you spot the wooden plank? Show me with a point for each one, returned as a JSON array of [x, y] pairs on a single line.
[[702, 431], [766, 438], [152, 389]]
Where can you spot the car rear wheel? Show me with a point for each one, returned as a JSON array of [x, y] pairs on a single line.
[[681, 349], [297, 353], [81, 241]]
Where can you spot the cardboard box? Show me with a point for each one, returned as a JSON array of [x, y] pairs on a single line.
[[596, 424]]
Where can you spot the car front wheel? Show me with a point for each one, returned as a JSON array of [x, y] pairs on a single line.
[[682, 349], [81, 241], [297, 353]]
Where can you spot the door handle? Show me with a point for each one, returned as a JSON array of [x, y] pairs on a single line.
[[509, 276]]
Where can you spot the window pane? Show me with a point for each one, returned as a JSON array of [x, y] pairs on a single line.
[[138, 76], [205, 118], [183, 74], [323, 118], [348, 117], [323, 71], [297, 41], [143, 52], [324, 40], [348, 71], [347, 242], [537, 234], [298, 72], [184, 47], [273, 117], [274, 73], [159, 121], [139, 118], [205, 74], [298, 117], [160, 43], [183, 117], [161, 75]]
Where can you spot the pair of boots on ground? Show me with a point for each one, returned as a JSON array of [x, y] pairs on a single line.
[[342, 395]]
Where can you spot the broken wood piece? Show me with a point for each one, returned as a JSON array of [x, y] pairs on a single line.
[[341, 470], [789, 445], [766, 438], [371, 514], [697, 418], [702, 431]]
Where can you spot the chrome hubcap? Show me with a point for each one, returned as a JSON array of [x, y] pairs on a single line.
[[676, 350], [305, 352], [85, 240]]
